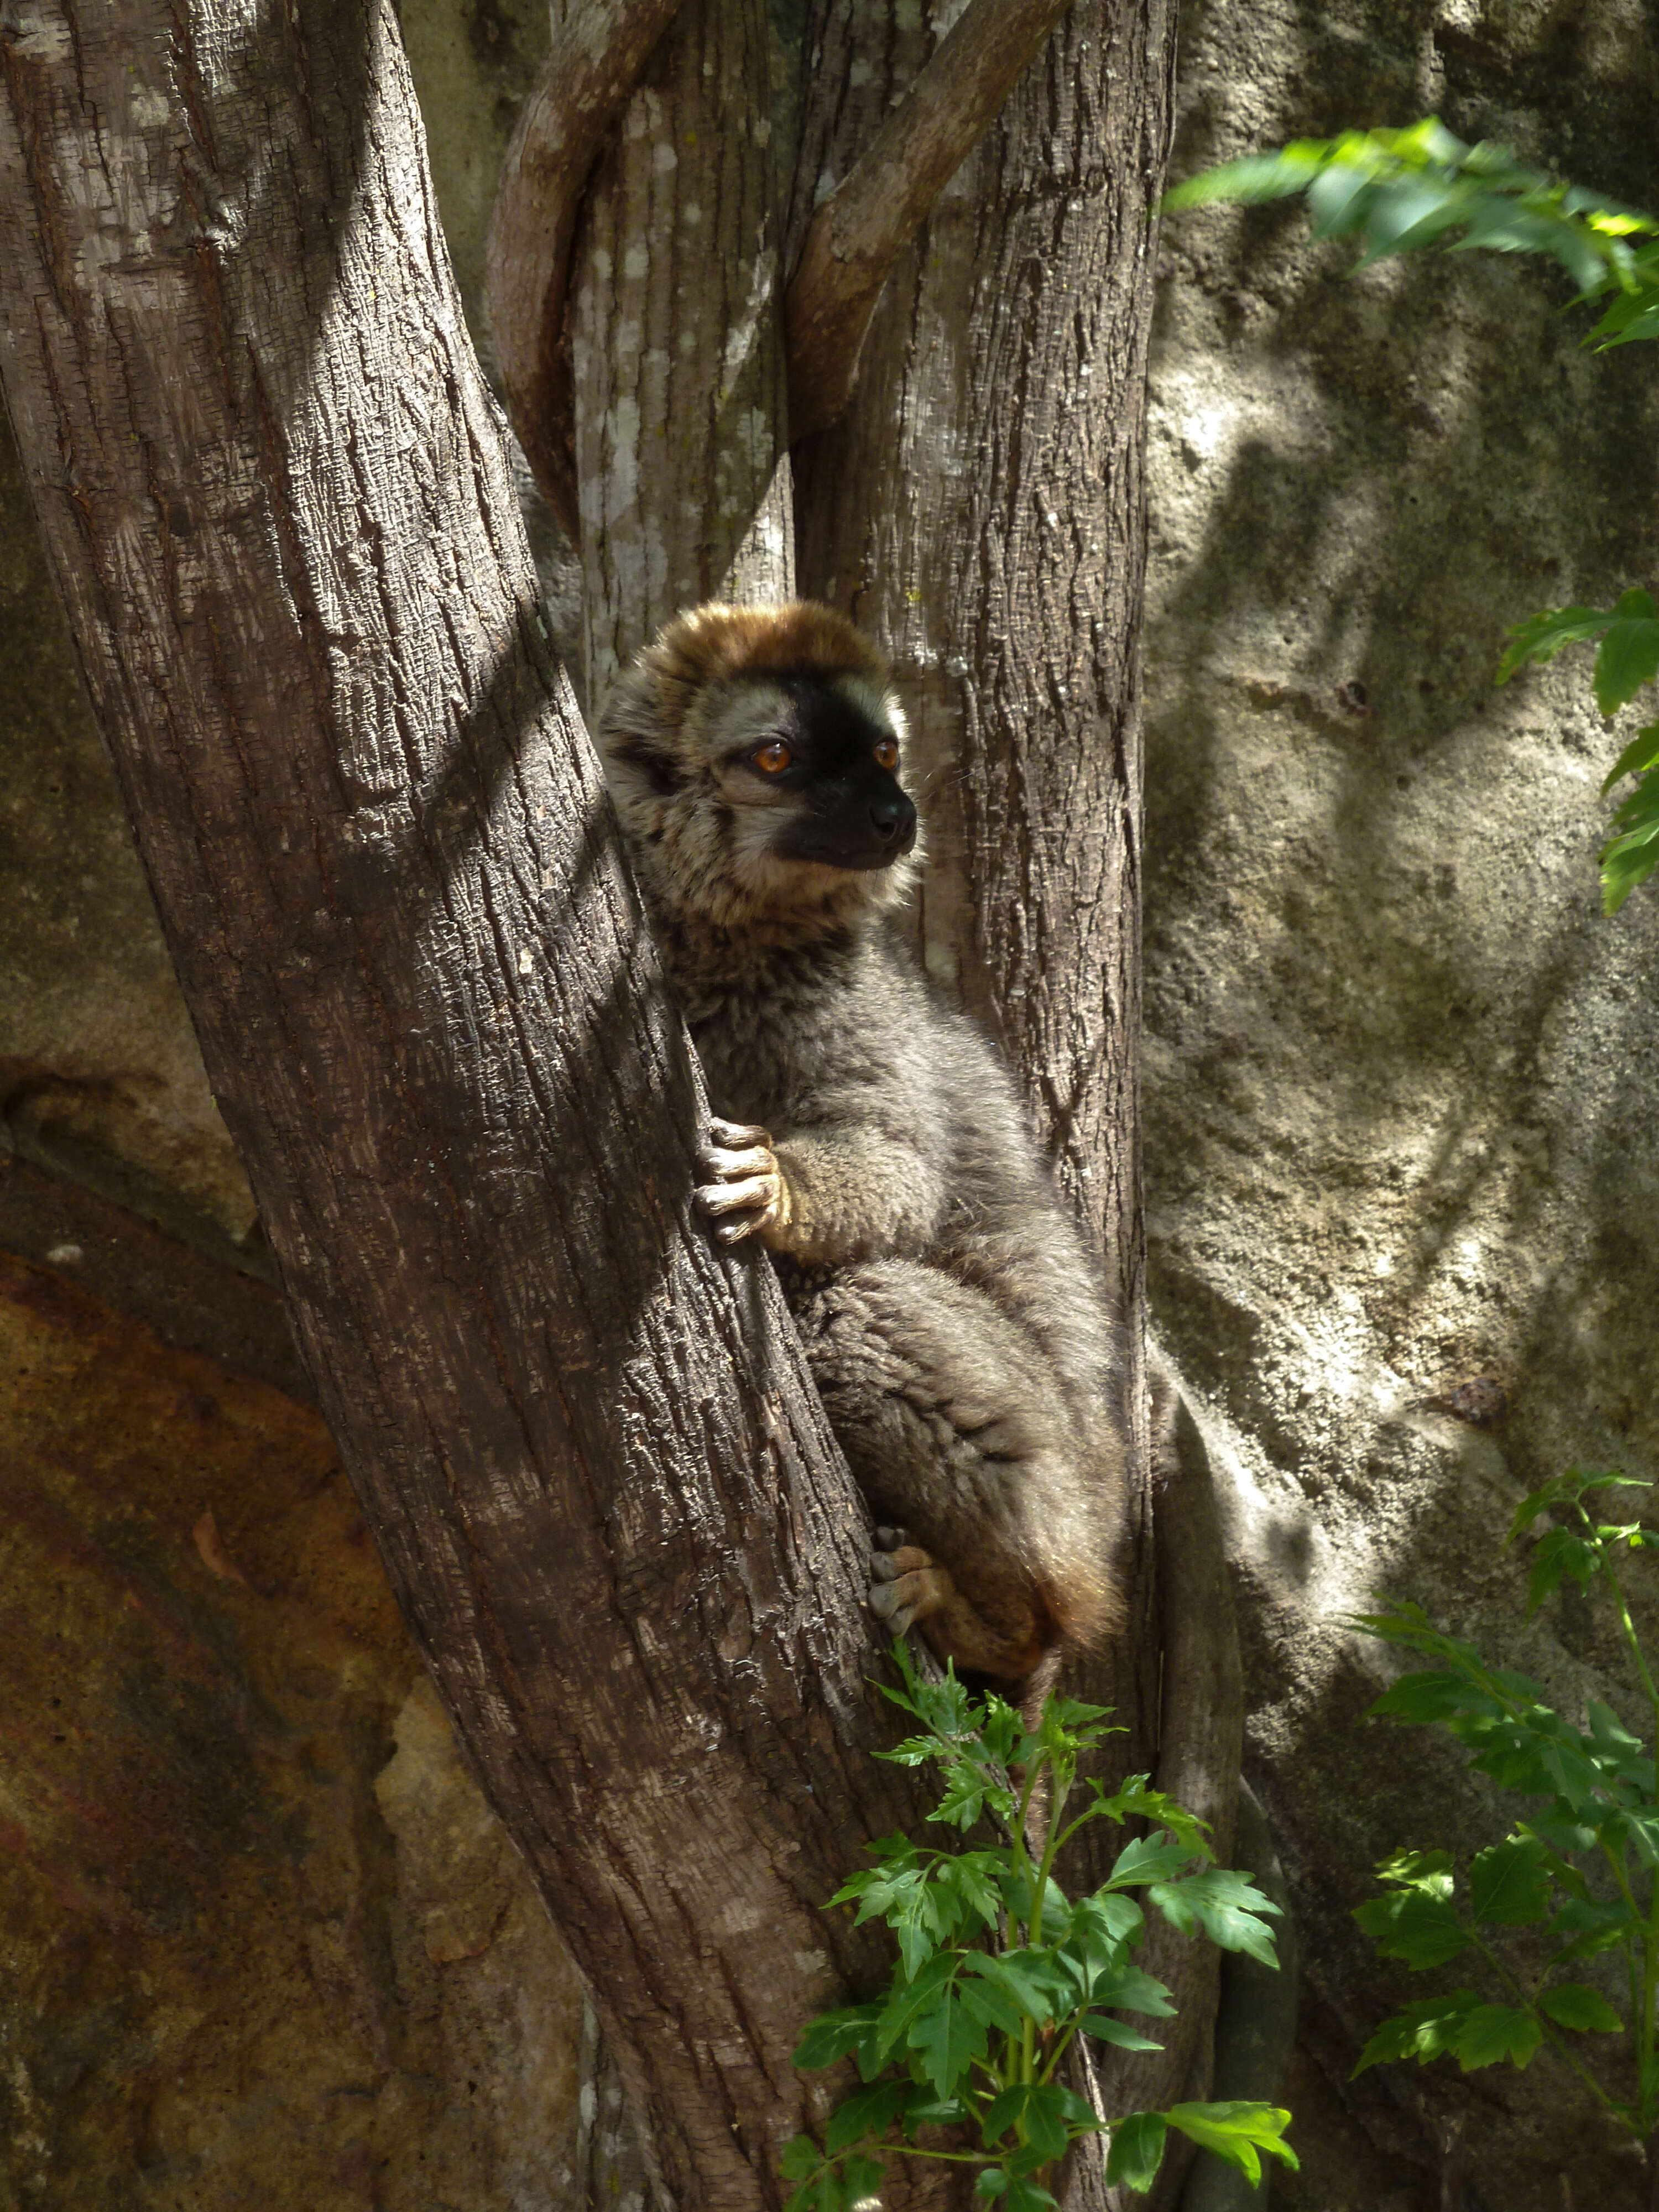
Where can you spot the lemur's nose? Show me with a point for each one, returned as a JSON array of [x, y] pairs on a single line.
[[892, 818]]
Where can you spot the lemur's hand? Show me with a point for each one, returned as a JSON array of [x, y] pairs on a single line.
[[748, 1193]]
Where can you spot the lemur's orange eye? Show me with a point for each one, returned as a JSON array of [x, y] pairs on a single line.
[[887, 753], [773, 757]]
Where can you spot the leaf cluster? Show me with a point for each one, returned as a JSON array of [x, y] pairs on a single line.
[[998, 1971], [1626, 658], [1398, 192], [1581, 1870]]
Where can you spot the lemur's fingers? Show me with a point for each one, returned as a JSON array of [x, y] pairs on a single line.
[[748, 1192], [904, 1559], [726, 1165], [756, 1193], [884, 1604], [889, 1540], [736, 1132], [915, 1597], [737, 1226]]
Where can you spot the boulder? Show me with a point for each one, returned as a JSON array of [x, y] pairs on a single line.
[[1398, 1068]]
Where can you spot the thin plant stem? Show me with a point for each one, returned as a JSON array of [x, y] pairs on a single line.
[[1548, 2029], [1621, 1876], [1628, 1626], [1081, 1821], [914, 2150], [1649, 1997], [1650, 1985], [1033, 1926]]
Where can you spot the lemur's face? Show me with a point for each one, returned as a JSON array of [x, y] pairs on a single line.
[[807, 761], [754, 754]]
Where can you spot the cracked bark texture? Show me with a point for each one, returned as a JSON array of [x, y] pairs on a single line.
[[599, 51], [676, 342], [981, 509], [872, 216], [275, 501]]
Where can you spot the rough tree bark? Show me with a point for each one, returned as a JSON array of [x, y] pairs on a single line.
[[599, 49], [859, 231], [557, 1410], [676, 344], [980, 507], [276, 499]]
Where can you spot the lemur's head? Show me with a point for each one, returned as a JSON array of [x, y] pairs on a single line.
[[754, 755]]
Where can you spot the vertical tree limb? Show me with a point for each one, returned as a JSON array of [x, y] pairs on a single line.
[[599, 49], [982, 506], [676, 345], [856, 237], [1200, 1754]]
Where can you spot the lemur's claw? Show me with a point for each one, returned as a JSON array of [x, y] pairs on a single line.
[[744, 1184]]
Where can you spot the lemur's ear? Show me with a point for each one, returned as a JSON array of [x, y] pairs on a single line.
[[654, 761]]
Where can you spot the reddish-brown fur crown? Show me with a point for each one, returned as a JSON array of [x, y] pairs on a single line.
[[714, 643]]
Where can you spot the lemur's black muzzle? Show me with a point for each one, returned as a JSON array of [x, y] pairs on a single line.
[[893, 819]]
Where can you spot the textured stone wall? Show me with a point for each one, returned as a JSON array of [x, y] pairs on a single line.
[[1400, 1071], [260, 1941], [99, 1071]]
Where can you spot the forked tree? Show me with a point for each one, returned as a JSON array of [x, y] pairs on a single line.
[[826, 315]]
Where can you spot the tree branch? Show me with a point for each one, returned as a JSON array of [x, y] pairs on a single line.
[[1200, 1751], [271, 485], [599, 48], [673, 312], [861, 229]]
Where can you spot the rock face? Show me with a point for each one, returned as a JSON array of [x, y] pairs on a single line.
[[1398, 1068], [263, 1942], [99, 1071]]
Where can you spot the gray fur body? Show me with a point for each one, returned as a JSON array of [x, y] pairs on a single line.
[[953, 1321]]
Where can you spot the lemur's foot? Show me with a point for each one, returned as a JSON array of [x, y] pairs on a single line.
[[909, 1589], [747, 1193], [907, 1584]]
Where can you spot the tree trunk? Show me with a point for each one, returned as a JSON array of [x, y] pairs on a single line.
[[275, 500], [981, 508], [388, 873], [677, 342]]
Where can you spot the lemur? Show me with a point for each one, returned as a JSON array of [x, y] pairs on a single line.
[[870, 1137]]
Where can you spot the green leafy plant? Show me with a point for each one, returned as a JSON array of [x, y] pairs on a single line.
[[1399, 192], [998, 1972], [1626, 658], [1581, 1872]]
